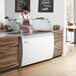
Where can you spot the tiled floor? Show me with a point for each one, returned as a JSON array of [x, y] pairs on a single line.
[[61, 66]]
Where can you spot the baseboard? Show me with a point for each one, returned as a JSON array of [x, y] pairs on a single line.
[[57, 56], [9, 70]]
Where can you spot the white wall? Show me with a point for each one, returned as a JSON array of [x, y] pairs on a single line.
[[2, 10], [74, 4], [70, 10], [56, 17], [10, 9]]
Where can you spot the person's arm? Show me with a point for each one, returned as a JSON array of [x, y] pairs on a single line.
[[31, 27], [21, 25]]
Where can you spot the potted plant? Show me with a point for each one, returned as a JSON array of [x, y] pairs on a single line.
[[56, 27]]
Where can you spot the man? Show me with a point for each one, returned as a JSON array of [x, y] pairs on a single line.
[[24, 21]]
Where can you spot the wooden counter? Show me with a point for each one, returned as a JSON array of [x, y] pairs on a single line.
[[9, 49], [9, 52], [58, 42]]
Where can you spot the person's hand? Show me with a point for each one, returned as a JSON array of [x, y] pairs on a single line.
[[27, 26], [24, 26]]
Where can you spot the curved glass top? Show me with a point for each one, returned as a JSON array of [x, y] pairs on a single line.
[[12, 26]]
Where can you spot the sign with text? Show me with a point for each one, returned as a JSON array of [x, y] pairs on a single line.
[[45, 5], [19, 4]]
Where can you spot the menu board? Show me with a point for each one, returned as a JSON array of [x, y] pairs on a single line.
[[45, 5], [19, 4]]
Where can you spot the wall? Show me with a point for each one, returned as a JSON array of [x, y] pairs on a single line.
[[2, 10], [70, 10], [56, 17], [10, 9], [75, 11]]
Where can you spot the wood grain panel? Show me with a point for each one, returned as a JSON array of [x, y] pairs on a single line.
[[58, 43], [9, 50]]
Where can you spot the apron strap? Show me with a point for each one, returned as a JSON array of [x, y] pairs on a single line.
[[24, 18]]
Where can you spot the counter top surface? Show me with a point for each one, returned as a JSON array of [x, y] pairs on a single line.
[[57, 30], [71, 27], [4, 34], [8, 35]]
